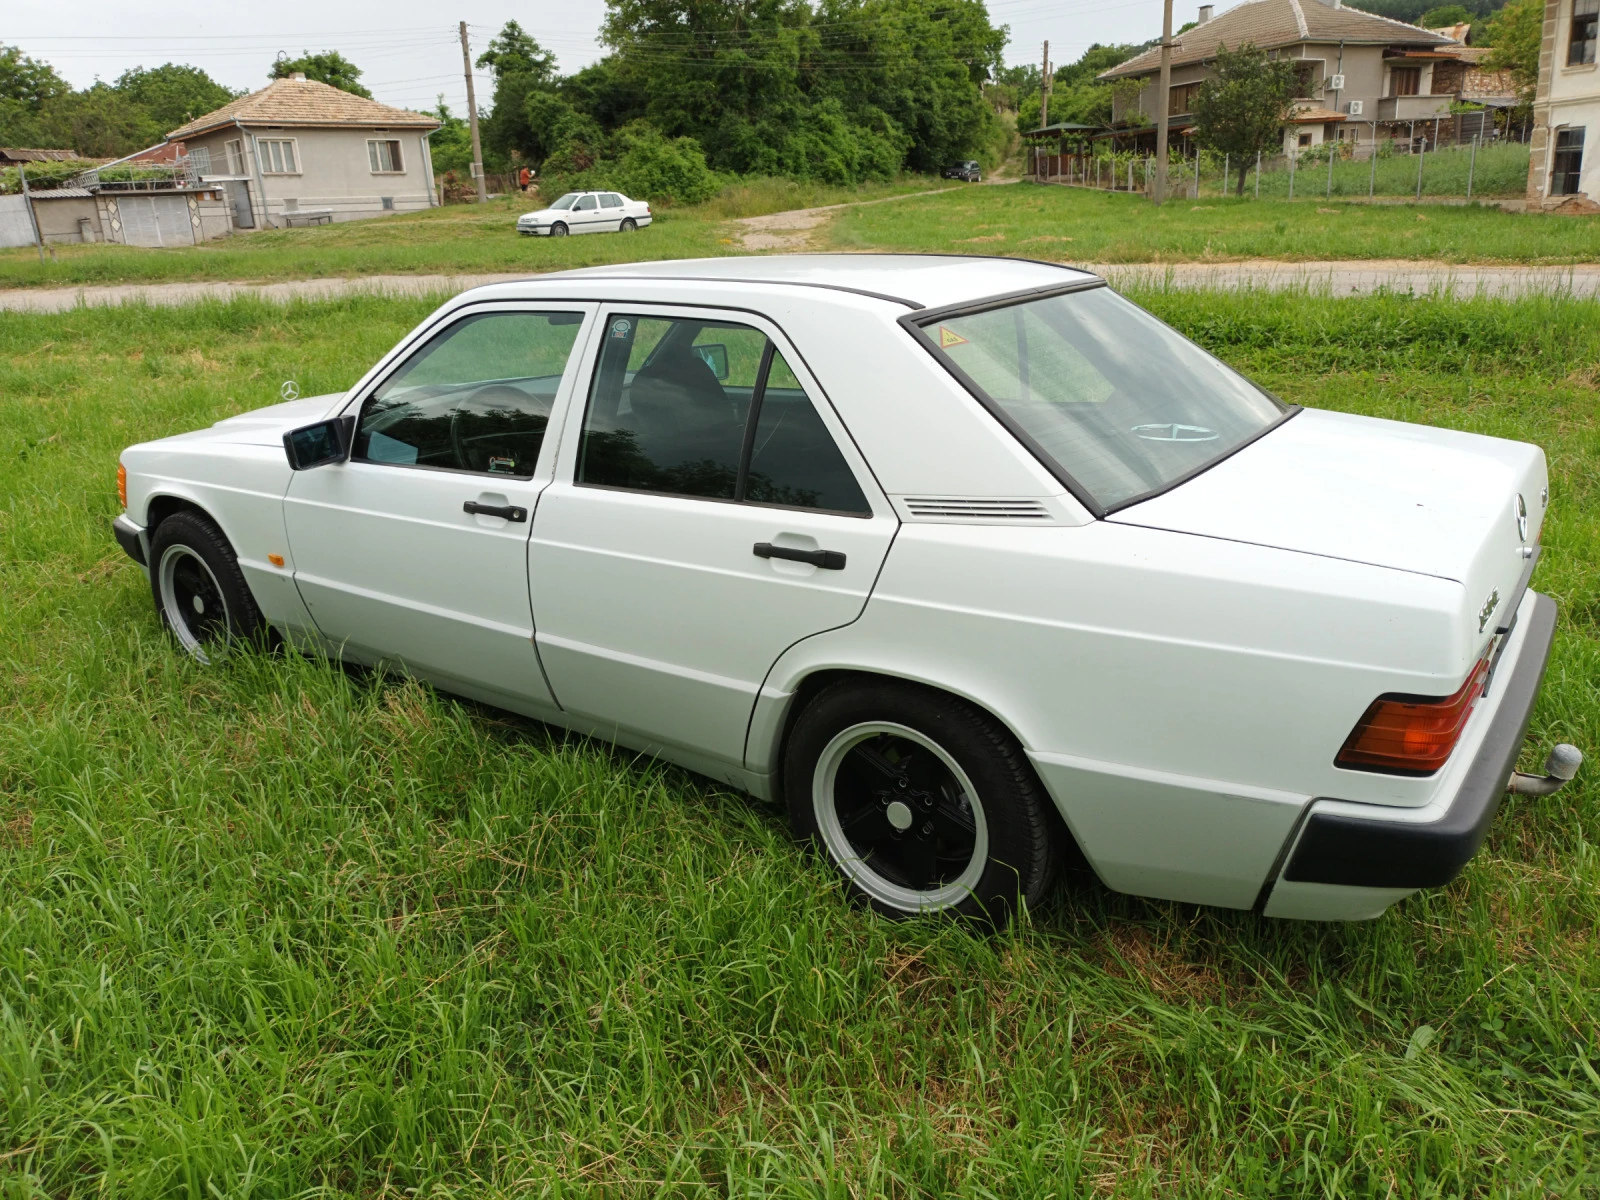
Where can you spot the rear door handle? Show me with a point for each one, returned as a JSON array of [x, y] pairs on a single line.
[[828, 560], [509, 511]]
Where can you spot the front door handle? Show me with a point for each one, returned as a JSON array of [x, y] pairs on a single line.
[[828, 560], [509, 511]]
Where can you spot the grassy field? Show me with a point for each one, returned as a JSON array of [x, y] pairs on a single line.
[[457, 239], [277, 930], [1057, 223], [1075, 224], [1496, 170]]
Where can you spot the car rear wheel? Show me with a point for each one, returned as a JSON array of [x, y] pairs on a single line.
[[628, 225], [558, 230], [921, 802], [199, 589]]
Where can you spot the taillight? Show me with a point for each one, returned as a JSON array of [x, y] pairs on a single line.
[[1411, 735], [122, 484]]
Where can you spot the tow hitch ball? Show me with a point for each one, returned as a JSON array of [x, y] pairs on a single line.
[[1560, 767]]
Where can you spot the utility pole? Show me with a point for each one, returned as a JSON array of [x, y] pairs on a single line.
[[1044, 90], [1162, 102], [472, 117]]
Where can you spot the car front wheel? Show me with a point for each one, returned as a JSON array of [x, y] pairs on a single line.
[[920, 801], [199, 589], [558, 230]]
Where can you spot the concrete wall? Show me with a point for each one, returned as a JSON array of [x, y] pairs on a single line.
[[58, 219], [1567, 98]]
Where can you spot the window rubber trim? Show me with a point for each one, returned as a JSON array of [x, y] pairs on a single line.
[[916, 323]]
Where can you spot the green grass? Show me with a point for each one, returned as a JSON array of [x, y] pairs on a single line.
[[1079, 225], [272, 929], [456, 239], [1499, 170]]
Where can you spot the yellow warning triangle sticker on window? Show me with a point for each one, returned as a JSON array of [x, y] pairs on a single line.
[[949, 337]]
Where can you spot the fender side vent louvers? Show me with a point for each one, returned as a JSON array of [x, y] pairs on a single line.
[[959, 508]]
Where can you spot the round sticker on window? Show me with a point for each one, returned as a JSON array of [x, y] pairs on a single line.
[[621, 329]]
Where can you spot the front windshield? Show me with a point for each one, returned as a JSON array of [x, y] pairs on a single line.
[[1120, 402], [567, 201]]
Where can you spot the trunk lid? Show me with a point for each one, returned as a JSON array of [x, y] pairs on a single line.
[[1408, 497]]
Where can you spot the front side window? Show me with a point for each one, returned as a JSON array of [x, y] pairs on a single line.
[[709, 409], [278, 156], [1585, 32], [1107, 395], [383, 155], [584, 204], [476, 397], [1567, 163]]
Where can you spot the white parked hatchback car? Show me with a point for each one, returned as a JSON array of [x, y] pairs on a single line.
[[586, 212], [959, 557]]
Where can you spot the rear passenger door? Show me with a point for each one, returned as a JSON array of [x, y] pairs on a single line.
[[708, 511], [611, 212]]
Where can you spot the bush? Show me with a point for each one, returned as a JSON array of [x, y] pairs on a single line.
[[639, 161]]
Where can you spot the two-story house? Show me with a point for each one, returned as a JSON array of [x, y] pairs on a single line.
[[1361, 77], [1564, 169]]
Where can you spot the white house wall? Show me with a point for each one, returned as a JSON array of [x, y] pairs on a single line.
[[336, 174], [1568, 98]]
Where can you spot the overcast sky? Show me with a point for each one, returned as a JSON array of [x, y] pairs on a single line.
[[409, 49]]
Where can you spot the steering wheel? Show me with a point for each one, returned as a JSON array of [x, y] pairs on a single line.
[[494, 395]]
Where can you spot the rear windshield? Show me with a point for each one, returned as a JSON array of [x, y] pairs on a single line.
[[1116, 401]]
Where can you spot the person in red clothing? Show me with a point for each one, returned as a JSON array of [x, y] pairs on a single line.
[[523, 176]]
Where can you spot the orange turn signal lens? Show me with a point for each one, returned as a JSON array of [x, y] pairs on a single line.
[[122, 484], [1411, 735]]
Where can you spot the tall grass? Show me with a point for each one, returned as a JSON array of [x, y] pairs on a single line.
[[275, 929], [1500, 169]]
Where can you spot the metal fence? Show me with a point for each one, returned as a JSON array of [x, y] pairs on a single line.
[[1483, 169]]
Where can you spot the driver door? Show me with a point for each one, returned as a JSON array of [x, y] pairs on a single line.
[[415, 550]]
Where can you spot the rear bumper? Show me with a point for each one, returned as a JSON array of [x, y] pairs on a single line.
[[1392, 852], [131, 537]]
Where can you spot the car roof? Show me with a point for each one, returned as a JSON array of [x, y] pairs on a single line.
[[918, 280]]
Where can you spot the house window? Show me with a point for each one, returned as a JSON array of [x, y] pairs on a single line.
[[1585, 30], [235, 150], [1305, 139], [1568, 163], [384, 156], [1305, 77], [200, 160], [277, 156], [1180, 99], [1405, 81]]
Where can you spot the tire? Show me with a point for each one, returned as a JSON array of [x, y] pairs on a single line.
[[199, 589], [628, 225], [922, 803], [558, 230]]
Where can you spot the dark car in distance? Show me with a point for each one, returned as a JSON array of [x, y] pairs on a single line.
[[968, 170]]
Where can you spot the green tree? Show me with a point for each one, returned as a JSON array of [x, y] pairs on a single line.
[[26, 85], [98, 122], [1513, 36], [1445, 14], [173, 94], [450, 145], [521, 68], [329, 67], [1242, 103]]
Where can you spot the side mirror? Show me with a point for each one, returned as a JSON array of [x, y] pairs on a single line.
[[320, 444], [715, 356]]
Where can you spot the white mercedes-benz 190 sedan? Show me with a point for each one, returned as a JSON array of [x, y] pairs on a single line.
[[586, 212], [966, 560]]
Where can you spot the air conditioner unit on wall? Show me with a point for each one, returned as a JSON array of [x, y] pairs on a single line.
[[1355, 108], [1336, 82]]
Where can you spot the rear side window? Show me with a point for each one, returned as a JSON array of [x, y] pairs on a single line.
[[708, 409], [610, 201], [476, 396]]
